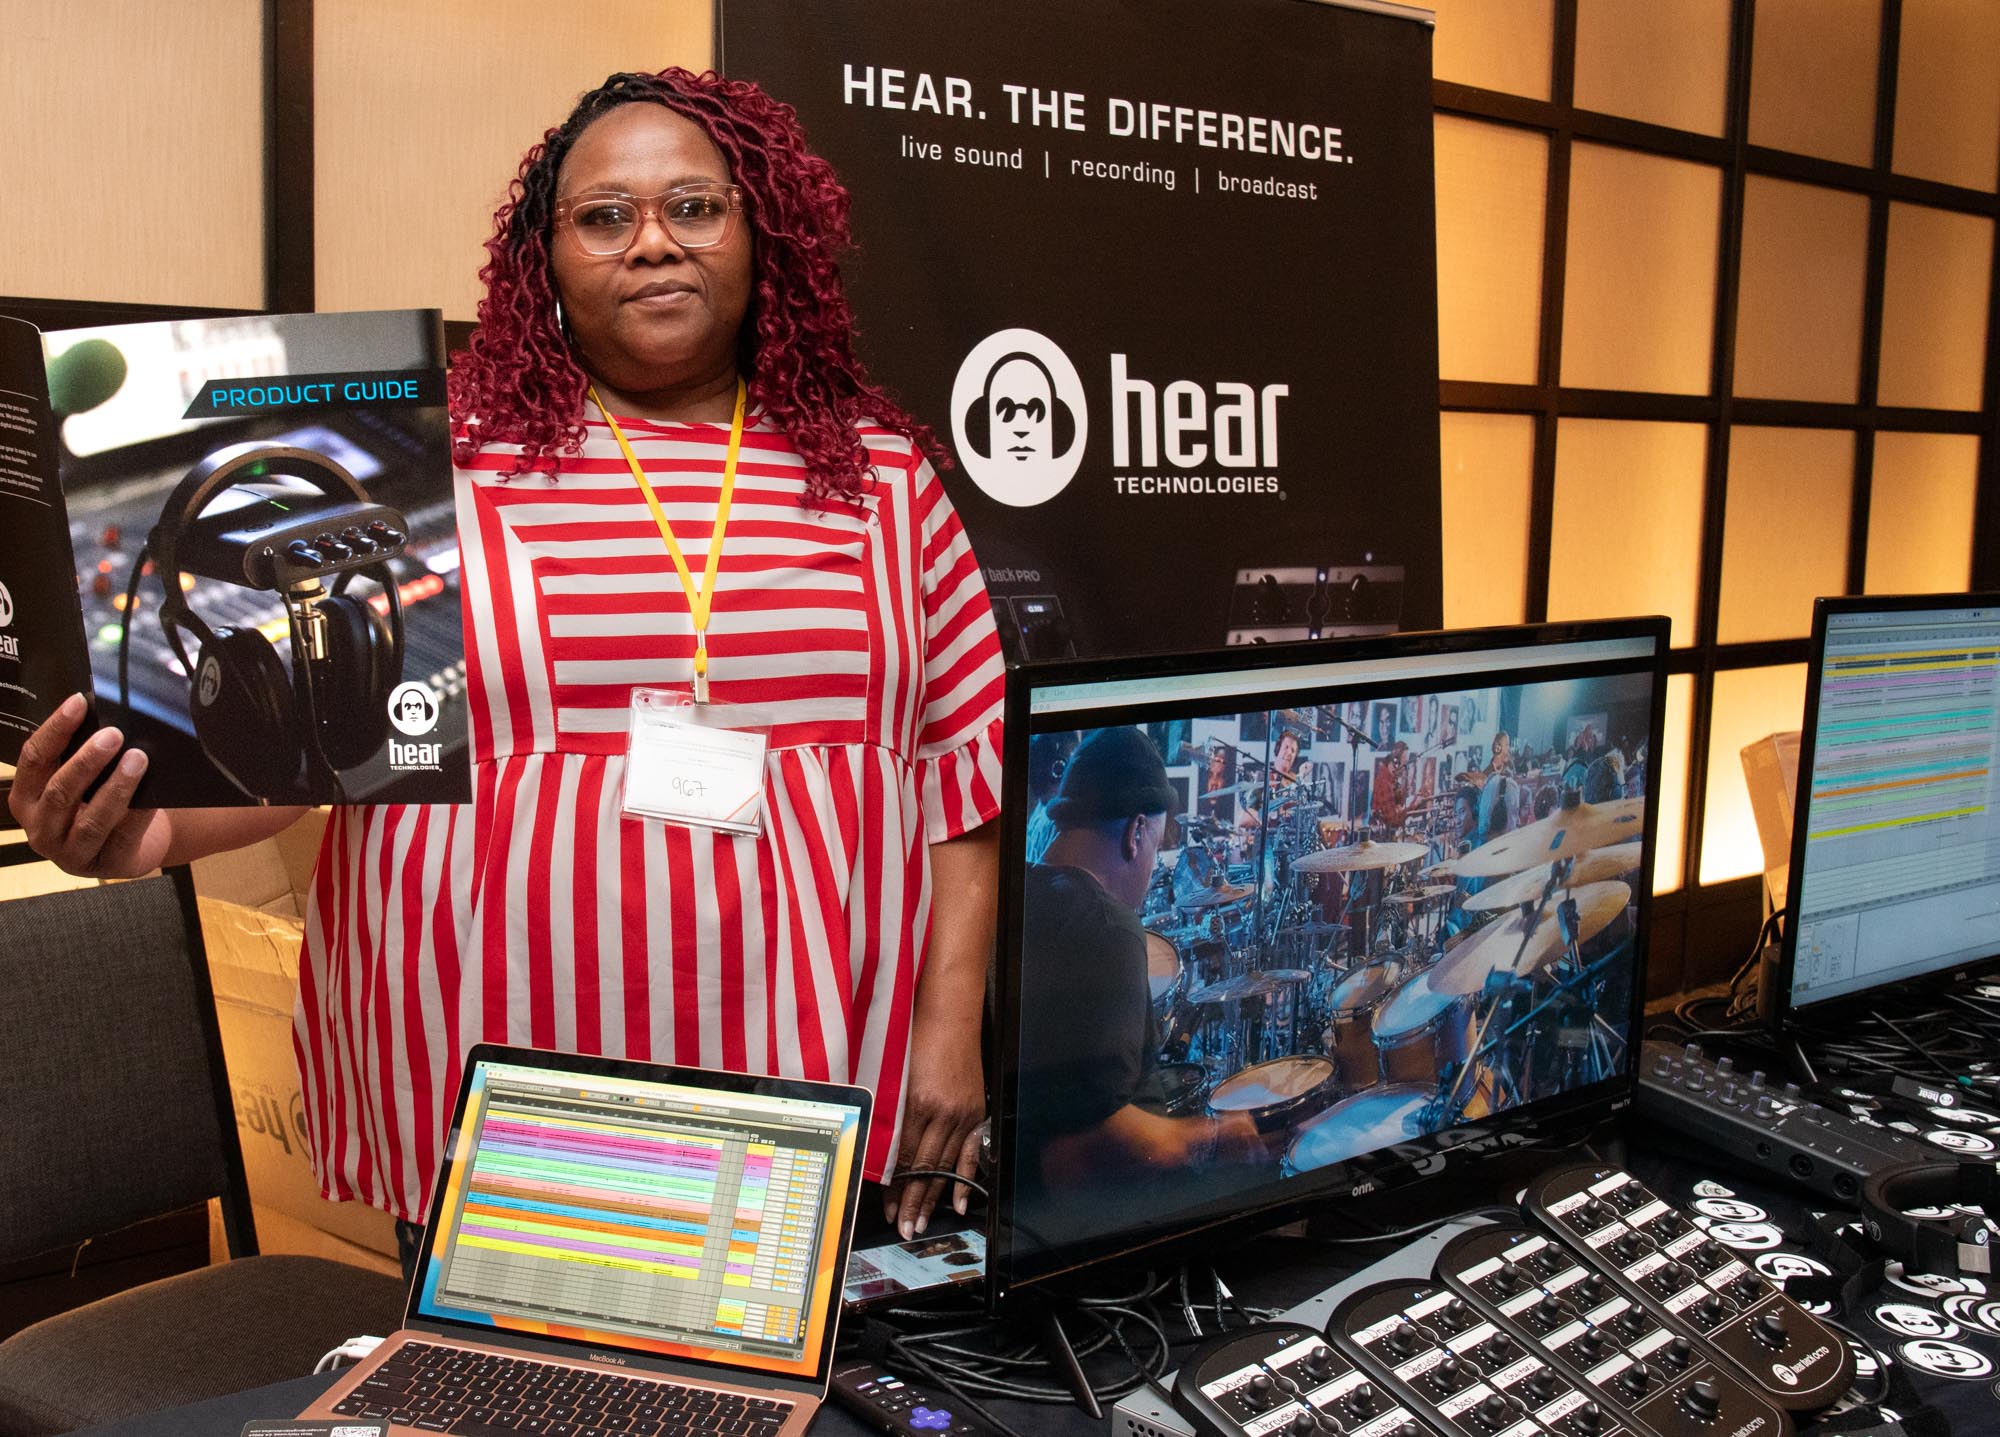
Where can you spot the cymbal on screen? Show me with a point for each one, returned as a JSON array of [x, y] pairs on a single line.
[[1600, 865], [1211, 897], [1357, 856], [1235, 990], [1562, 833], [1498, 946]]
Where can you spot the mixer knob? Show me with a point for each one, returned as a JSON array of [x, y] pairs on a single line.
[[1677, 1354], [1636, 1379], [1770, 1330], [1702, 1400]]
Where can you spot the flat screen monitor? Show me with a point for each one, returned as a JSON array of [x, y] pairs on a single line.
[[1895, 871], [1282, 923]]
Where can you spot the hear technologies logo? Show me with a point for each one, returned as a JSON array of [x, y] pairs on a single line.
[[1021, 421], [1019, 417], [10, 644], [414, 710]]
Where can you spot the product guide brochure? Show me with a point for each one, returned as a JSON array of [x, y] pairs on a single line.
[[235, 537]]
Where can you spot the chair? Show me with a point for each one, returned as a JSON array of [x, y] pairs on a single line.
[[115, 1108]]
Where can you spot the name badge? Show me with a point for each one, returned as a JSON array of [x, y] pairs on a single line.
[[689, 763]]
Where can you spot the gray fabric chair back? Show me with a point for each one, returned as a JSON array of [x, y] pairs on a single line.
[[111, 1080]]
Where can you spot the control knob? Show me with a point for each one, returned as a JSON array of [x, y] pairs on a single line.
[[1702, 1400]]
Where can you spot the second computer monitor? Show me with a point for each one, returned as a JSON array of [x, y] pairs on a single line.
[[1895, 870]]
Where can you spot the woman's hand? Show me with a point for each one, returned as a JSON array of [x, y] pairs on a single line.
[[102, 838], [107, 837], [943, 1105], [944, 1089]]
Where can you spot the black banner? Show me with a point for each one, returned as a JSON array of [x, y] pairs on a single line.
[[1163, 274]]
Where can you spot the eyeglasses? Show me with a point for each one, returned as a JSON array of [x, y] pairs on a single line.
[[606, 222]]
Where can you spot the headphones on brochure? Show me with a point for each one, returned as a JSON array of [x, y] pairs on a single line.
[[277, 734]]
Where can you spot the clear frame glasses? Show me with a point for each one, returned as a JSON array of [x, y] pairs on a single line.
[[605, 222]]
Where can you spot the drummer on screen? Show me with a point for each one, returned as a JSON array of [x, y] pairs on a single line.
[[1089, 1048]]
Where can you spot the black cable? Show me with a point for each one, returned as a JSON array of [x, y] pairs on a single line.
[[1146, 1371], [973, 1183], [924, 1368], [128, 617], [1881, 1367]]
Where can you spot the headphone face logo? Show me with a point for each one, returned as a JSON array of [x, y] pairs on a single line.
[[1019, 417], [6, 607], [413, 709], [209, 682]]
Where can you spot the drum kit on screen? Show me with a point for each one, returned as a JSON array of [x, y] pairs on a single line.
[[1359, 991]]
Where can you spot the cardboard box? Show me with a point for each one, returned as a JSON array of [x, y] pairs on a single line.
[[251, 920], [279, 1232], [1771, 772]]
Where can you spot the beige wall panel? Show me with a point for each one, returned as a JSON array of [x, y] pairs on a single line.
[[1488, 484], [1495, 44], [423, 113], [1639, 301], [1920, 509], [1675, 745], [1784, 530], [1798, 317], [1934, 300], [1492, 187], [1664, 63], [1948, 92], [1626, 536], [1749, 703], [1812, 77], [158, 108]]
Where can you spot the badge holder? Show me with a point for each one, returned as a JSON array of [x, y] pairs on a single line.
[[700, 764]]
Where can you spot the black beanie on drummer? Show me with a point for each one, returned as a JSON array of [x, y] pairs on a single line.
[[1115, 773]]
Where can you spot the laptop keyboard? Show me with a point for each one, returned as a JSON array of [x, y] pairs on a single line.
[[484, 1394]]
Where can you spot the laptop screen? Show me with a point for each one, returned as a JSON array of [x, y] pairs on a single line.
[[694, 1215]]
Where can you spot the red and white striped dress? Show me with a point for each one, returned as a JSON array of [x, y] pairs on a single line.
[[538, 914]]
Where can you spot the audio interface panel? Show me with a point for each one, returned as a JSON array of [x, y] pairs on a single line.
[[1662, 1258], [1635, 1358], [1282, 1379]]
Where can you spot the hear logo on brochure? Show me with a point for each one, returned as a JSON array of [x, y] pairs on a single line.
[[414, 711]]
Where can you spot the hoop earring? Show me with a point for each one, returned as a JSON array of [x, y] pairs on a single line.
[[562, 320]]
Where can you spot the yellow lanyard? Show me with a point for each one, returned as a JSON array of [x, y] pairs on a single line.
[[701, 600]]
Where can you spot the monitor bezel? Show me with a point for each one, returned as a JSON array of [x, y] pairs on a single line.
[[1009, 1278], [1786, 1014]]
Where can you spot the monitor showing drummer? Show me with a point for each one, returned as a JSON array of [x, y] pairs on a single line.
[[1352, 958]]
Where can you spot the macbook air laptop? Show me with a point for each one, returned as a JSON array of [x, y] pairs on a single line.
[[620, 1249]]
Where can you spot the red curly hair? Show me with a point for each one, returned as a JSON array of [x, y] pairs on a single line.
[[519, 375]]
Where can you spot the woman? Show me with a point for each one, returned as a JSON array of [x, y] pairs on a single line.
[[663, 272]]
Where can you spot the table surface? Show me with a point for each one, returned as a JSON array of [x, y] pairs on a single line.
[[1279, 1272]]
